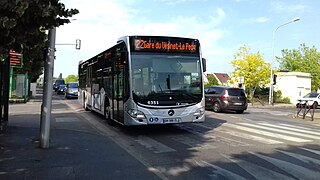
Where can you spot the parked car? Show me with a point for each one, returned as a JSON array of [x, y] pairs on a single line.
[[61, 89], [57, 83], [220, 98], [72, 90], [312, 99]]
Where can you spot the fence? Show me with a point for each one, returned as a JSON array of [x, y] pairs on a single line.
[[304, 109]]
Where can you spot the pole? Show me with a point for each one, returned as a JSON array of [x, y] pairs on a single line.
[[271, 91], [271, 69], [47, 92], [10, 82]]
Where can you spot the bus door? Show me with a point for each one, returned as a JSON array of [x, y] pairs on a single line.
[[118, 92]]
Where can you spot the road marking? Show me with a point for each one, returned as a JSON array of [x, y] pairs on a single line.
[[243, 135], [115, 136], [265, 133], [219, 171], [293, 169], [294, 128], [281, 131], [250, 137], [66, 119], [289, 125], [311, 150], [153, 145], [272, 112], [256, 171], [212, 138], [192, 143], [305, 159]]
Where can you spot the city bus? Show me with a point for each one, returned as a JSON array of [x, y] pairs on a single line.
[[144, 80]]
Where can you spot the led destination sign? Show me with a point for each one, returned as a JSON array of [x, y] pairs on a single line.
[[177, 45]]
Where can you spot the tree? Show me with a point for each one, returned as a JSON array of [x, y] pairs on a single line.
[[212, 80], [22, 26], [71, 78], [303, 59], [252, 67]]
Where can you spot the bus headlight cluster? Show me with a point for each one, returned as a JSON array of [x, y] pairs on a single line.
[[199, 112], [136, 114]]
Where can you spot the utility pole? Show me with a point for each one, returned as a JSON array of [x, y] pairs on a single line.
[[271, 91], [47, 92]]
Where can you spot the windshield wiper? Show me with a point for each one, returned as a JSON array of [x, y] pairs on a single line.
[[168, 82], [160, 87], [191, 95]]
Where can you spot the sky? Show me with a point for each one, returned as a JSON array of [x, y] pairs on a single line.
[[222, 27]]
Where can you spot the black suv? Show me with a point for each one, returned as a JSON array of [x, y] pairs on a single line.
[[219, 98], [57, 84]]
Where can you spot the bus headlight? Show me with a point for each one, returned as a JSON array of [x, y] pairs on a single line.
[[136, 114], [199, 112]]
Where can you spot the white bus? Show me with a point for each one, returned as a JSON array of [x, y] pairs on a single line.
[[145, 80]]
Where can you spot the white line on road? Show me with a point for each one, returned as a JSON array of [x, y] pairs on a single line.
[[281, 131], [311, 150], [265, 133], [293, 128], [153, 145], [256, 171], [219, 171], [250, 137], [293, 169], [302, 158]]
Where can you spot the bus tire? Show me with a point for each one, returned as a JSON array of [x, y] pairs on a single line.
[[107, 112], [85, 106]]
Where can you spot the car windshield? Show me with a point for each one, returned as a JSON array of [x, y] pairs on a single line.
[[166, 79], [59, 82], [73, 85], [311, 95]]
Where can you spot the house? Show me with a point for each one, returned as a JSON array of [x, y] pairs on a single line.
[[293, 84], [222, 78]]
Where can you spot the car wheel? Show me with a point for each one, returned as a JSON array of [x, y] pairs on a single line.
[[216, 107], [315, 105], [239, 111]]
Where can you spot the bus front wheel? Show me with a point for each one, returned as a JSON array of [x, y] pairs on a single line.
[[107, 112], [85, 106]]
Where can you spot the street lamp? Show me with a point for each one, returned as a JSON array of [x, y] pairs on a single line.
[[273, 58]]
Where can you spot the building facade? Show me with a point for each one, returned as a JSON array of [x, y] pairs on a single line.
[[293, 84]]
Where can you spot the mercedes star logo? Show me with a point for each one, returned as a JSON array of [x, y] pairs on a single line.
[[171, 112]]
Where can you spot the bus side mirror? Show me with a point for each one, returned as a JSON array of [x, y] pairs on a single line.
[[78, 44], [204, 64]]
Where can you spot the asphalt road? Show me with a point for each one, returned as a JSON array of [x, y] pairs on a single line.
[[259, 144]]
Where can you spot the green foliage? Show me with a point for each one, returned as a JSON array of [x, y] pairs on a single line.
[[277, 95], [71, 78], [212, 81], [303, 59], [252, 67], [22, 24]]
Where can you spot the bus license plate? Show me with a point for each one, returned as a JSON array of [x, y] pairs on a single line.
[[171, 120]]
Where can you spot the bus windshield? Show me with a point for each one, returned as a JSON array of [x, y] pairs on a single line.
[[166, 79]]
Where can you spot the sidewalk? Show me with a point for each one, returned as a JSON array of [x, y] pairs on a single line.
[[277, 106], [76, 150]]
